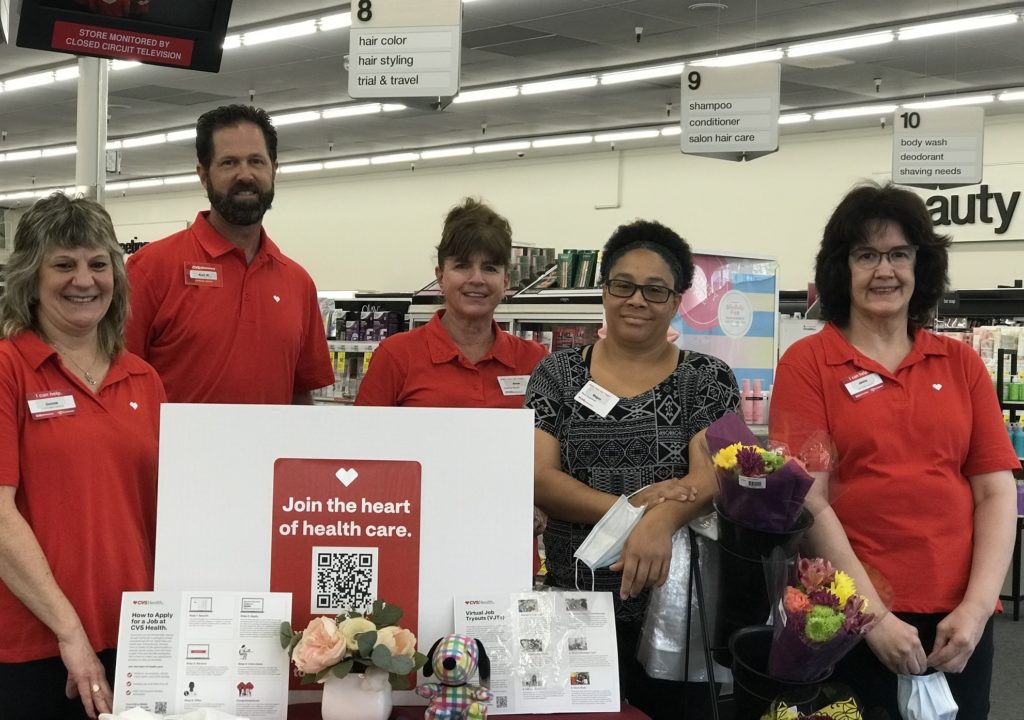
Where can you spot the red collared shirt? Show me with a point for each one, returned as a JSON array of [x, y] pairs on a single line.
[[424, 368], [906, 451], [86, 485], [221, 330]]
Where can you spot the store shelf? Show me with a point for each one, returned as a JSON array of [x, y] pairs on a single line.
[[347, 346]]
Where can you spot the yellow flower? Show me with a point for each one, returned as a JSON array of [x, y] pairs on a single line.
[[353, 627], [842, 587], [726, 457]]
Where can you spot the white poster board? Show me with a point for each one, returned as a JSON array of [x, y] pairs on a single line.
[[219, 521]]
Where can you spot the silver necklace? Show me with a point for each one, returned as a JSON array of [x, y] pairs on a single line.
[[87, 374]]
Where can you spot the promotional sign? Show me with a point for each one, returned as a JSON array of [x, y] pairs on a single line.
[[730, 312], [988, 212], [179, 652], [342, 505], [405, 49], [337, 523], [730, 113], [938, 148]]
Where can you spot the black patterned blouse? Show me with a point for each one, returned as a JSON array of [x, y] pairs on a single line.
[[643, 440]]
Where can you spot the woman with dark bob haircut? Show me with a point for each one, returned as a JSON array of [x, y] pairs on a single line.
[[78, 440], [644, 437], [922, 493]]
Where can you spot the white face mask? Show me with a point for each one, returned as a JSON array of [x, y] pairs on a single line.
[[603, 546]]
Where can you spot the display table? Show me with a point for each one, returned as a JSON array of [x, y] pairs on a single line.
[[311, 711]]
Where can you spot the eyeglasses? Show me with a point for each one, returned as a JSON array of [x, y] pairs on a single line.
[[651, 293], [899, 257]]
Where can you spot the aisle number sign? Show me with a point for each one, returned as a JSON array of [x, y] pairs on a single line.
[[730, 113], [405, 49], [938, 148]]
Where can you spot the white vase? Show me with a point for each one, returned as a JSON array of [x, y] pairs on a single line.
[[356, 696]]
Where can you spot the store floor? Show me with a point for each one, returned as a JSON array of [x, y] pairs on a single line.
[[1008, 677]]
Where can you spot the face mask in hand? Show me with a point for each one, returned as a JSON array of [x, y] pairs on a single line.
[[603, 546]]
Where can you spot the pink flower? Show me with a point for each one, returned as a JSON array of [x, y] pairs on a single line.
[[398, 640], [815, 573], [320, 646]]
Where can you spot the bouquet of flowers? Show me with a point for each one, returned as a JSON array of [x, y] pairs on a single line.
[[817, 620], [370, 643], [758, 488]]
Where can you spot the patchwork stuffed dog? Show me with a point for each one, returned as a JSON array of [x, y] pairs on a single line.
[[454, 659]]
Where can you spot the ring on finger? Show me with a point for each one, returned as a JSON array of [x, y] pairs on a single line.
[[95, 688]]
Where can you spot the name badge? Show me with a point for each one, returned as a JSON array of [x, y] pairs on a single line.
[[863, 383], [53, 403], [513, 384], [596, 398], [209, 275]]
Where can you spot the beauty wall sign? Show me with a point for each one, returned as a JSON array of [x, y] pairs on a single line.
[[989, 211]]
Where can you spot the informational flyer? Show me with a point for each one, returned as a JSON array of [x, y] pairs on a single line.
[[179, 652], [550, 652]]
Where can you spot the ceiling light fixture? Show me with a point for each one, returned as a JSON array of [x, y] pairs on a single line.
[[117, 65], [279, 32], [335, 22], [497, 147], [151, 182], [177, 135], [495, 93], [856, 111], [296, 117], [794, 118], [646, 73], [446, 152], [351, 110], [395, 158], [559, 84], [232, 41], [1012, 95], [179, 179], [301, 167], [627, 135], [69, 72], [743, 58], [844, 43], [944, 27], [60, 150], [346, 163], [950, 102], [144, 140], [23, 155], [563, 140], [29, 81], [671, 130]]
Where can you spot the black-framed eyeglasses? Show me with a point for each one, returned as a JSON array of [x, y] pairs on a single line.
[[867, 258], [651, 293]]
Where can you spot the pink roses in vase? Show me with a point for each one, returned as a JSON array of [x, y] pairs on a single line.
[[355, 642]]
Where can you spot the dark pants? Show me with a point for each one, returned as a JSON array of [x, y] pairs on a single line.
[[35, 690], [659, 699], [875, 686]]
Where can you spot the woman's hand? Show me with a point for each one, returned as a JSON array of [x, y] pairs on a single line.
[[645, 556], [678, 489], [86, 676], [540, 520], [956, 637], [897, 646]]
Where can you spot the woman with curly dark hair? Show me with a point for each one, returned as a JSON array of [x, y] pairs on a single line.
[[642, 438], [922, 492]]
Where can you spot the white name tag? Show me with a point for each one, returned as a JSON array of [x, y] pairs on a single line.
[[513, 384], [597, 398], [50, 404], [862, 383], [196, 273]]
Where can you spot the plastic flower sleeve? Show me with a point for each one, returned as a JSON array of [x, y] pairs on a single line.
[[817, 615]]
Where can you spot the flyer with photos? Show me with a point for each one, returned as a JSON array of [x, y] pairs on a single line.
[[179, 652], [550, 652]]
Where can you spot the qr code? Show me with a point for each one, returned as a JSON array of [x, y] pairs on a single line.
[[501, 701], [342, 579], [160, 708]]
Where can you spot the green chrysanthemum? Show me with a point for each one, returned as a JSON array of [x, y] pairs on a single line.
[[822, 623]]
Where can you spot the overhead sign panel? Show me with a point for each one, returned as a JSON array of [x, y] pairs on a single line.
[[730, 113], [938, 147], [405, 49]]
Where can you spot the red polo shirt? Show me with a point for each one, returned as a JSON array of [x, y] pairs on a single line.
[[905, 452], [424, 368], [86, 485], [221, 330]]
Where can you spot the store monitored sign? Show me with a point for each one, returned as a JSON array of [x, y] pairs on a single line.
[[938, 148], [730, 113], [402, 49]]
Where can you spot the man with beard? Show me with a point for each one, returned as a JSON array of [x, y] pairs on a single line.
[[217, 309]]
